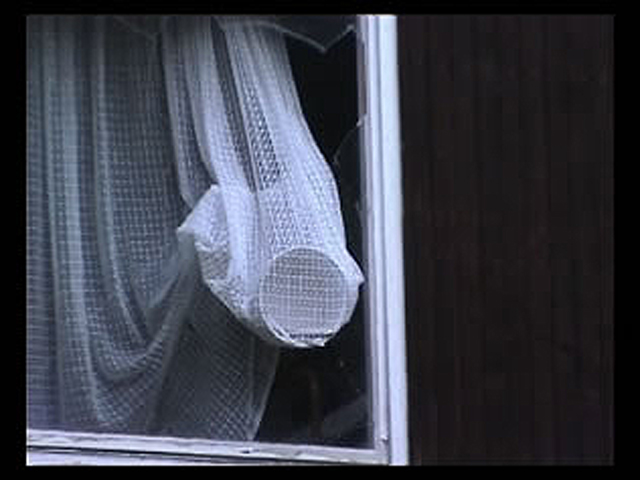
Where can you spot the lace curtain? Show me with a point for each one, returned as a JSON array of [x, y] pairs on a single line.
[[182, 225]]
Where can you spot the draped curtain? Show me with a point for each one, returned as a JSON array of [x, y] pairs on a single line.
[[182, 224]]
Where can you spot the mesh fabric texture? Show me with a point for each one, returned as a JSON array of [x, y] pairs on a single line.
[[173, 189]]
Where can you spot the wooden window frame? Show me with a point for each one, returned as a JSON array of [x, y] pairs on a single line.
[[384, 301]]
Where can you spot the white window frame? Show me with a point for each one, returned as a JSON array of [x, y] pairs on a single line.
[[380, 137]]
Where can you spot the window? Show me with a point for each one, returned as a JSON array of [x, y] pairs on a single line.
[[343, 402]]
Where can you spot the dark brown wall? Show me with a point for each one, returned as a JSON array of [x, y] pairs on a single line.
[[508, 194]]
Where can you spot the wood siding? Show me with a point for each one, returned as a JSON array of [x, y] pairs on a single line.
[[507, 126]]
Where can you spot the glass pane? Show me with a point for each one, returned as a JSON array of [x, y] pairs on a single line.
[[321, 394], [139, 317]]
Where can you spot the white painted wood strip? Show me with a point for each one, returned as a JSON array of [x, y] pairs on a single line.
[[48, 458], [384, 234], [393, 241], [373, 230], [183, 449]]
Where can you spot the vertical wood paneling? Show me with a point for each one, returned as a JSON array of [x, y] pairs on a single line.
[[467, 264], [537, 277], [508, 189], [415, 104], [604, 109]]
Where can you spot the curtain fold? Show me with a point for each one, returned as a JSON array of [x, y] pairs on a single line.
[[182, 225]]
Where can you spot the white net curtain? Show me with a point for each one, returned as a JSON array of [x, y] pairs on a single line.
[[182, 225]]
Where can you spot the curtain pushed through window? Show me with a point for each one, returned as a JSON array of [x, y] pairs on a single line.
[[182, 225]]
